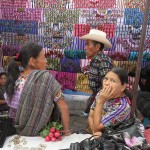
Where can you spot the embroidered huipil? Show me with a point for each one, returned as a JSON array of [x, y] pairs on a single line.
[[13, 103], [115, 111], [99, 66]]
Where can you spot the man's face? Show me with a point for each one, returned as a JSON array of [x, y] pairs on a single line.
[[91, 49]]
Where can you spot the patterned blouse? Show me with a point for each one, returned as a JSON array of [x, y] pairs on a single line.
[[99, 66], [13, 104], [115, 111]]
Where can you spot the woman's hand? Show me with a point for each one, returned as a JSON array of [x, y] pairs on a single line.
[[67, 132], [64, 109], [105, 94], [97, 134]]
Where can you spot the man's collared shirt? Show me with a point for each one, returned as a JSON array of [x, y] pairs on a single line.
[[99, 66]]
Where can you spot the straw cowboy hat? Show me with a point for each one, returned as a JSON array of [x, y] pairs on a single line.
[[99, 36]]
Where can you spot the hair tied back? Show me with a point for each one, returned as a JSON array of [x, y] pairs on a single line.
[[17, 57]]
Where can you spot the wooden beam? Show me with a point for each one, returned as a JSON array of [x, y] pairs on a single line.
[[140, 55]]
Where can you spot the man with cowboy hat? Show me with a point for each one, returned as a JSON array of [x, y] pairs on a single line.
[[100, 63]]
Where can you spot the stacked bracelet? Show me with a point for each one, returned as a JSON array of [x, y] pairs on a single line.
[[66, 131]]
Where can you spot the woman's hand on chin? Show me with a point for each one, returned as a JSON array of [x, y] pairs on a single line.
[[106, 94]]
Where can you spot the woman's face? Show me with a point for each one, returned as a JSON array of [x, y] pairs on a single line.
[[2, 80], [111, 79], [40, 62]]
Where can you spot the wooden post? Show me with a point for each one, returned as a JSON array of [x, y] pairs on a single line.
[[140, 55]]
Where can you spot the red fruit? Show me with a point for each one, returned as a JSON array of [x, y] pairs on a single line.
[[52, 130], [56, 134], [51, 135], [59, 138], [53, 139], [47, 139], [58, 131]]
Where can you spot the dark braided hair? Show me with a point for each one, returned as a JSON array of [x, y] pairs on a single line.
[[28, 50]]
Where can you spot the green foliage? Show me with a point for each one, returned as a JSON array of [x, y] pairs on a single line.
[[44, 133]]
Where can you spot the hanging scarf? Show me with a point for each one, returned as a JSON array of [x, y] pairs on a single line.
[[36, 103]]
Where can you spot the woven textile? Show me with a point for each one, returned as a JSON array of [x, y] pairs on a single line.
[[53, 63], [82, 83], [70, 65], [67, 80], [36, 103]]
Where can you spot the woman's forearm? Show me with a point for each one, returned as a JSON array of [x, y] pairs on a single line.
[[64, 109], [90, 123], [65, 118], [97, 117]]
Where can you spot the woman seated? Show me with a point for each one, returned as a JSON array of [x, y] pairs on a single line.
[[31, 93], [144, 80], [112, 104], [3, 104], [143, 94]]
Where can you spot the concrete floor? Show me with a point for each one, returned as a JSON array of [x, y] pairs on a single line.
[[76, 106], [77, 122]]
